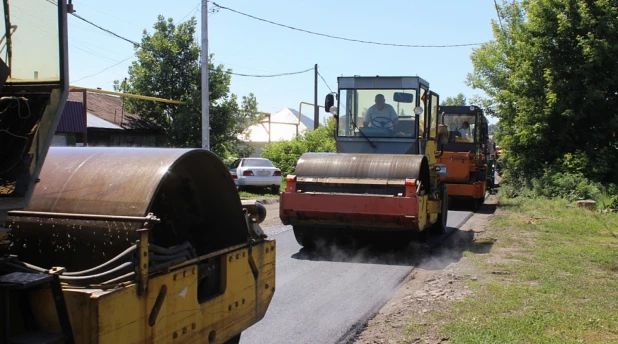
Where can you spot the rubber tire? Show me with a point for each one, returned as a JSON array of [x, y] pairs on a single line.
[[439, 226], [477, 203], [275, 189], [304, 236]]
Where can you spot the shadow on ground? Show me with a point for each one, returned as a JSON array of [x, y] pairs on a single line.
[[432, 253], [441, 250]]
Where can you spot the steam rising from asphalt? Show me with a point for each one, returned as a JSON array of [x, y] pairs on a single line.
[[433, 254]]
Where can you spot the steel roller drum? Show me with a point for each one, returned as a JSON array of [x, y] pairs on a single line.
[[362, 166], [190, 190]]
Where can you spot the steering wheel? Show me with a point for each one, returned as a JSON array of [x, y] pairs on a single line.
[[382, 123]]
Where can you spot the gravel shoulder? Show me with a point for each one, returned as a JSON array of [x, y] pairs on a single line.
[[434, 284]]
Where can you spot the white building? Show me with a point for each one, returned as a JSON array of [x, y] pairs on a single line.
[[283, 125]]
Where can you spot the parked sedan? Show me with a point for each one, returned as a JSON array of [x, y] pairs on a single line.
[[255, 172]]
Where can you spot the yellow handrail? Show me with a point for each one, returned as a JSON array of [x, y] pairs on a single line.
[[128, 95]]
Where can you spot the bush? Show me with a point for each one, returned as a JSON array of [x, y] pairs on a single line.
[[568, 185], [555, 183], [285, 154]]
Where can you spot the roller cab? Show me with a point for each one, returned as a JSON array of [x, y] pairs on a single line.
[[384, 177]]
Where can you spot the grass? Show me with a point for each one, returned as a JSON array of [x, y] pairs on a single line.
[[559, 283], [264, 193]]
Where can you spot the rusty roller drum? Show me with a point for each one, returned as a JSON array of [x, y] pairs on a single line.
[[189, 190], [319, 175], [352, 170]]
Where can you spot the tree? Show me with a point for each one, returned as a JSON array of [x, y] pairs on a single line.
[[551, 75], [168, 66], [459, 100], [492, 129], [285, 154]]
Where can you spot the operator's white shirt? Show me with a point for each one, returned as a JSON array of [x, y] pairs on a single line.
[[387, 111]]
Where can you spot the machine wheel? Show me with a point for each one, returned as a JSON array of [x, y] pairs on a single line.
[[477, 203], [304, 236], [440, 226]]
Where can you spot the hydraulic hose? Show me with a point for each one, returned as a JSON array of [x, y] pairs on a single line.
[[109, 263], [168, 251], [160, 258], [119, 279], [91, 279], [126, 253]]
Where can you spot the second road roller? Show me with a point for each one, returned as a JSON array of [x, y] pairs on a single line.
[[383, 183]]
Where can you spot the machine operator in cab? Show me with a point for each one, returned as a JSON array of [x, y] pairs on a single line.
[[380, 114]]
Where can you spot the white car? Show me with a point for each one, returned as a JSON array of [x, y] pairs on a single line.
[[255, 172]]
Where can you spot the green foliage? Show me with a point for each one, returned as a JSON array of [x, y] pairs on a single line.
[[492, 129], [557, 183], [168, 66], [459, 100], [550, 74], [285, 154], [570, 186]]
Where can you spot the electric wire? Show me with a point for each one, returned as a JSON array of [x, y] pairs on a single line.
[[347, 39], [325, 83], [266, 75], [103, 70], [98, 27]]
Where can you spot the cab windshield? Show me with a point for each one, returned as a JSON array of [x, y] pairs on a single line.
[[29, 41], [377, 113], [460, 127]]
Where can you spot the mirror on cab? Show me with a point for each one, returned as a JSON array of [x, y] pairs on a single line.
[[329, 102], [402, 97]]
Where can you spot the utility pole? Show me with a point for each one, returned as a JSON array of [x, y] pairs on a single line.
[[205, 91], [316, 108]]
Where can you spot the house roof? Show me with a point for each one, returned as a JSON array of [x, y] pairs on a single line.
[[72, 119], [110, 109], [96, 122], [282, 127]]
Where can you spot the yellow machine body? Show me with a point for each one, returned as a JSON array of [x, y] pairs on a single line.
[[198, 267], [121, 315]]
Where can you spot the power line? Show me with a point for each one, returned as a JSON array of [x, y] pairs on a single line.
[[104, 29], [97, 26], [325, 83], [349, 39], [266, 75], [114, 65], [194, 10]]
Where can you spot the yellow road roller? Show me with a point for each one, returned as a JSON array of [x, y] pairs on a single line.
[[383, 182], [113, 245]]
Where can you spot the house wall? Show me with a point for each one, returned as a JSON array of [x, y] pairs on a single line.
[[125, 138], [68, 140], [257, 146]]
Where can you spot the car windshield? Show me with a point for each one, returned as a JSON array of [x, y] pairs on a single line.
[[257, 163], [377, 113]]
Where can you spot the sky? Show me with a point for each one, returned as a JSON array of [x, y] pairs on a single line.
[[250, 46]]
